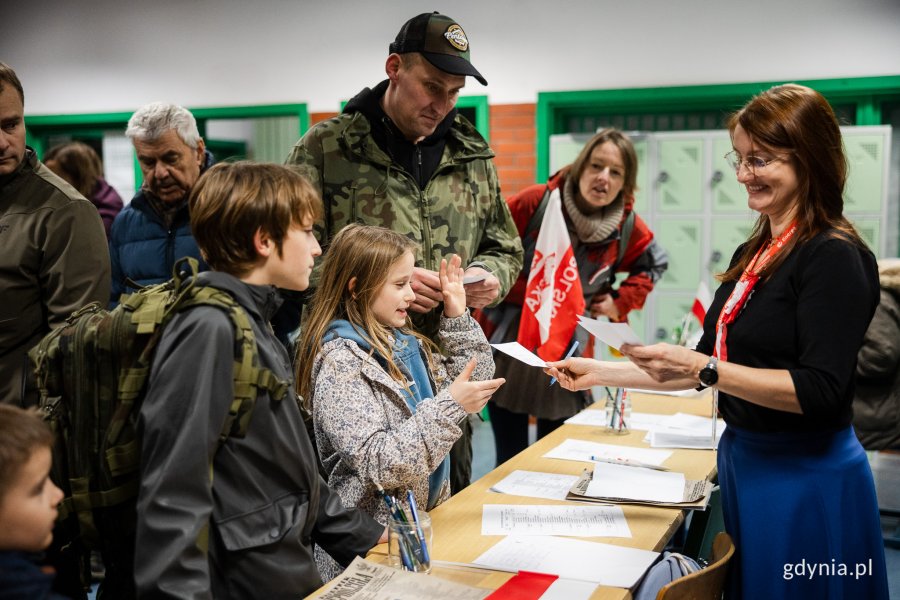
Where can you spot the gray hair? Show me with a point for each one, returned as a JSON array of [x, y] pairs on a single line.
[[152, 121]]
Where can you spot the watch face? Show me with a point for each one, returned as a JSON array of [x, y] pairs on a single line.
[[708, 376]]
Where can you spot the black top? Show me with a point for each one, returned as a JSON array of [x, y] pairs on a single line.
[[809, 317]]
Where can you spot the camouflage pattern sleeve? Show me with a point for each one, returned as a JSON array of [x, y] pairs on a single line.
[[307, 156], [500, 248]]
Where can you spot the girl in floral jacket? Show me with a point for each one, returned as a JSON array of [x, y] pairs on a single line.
[[386, 402]]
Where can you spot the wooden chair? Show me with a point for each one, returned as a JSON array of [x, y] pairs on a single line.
[[705, 584]]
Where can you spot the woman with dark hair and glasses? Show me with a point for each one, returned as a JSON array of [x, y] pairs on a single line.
[[779, 348], [596, 195]]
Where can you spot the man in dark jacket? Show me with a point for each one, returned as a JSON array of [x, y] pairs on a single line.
[[154, 231], [237, 519], [53, 257]]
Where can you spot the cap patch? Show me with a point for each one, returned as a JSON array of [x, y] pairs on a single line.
[[457, 37]]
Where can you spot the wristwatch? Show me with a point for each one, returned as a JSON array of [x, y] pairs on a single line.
[[709, 375]]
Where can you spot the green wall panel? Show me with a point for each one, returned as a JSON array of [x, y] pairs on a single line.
[[869, 230], [680, 176], [682, 239], [726, 236], [670, 310], [865, 155], [727, 194]]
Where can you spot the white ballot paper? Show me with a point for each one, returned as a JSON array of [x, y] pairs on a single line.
[[636, 483], [553, 486], [688, 393], [611, 334], [569, 589], [605, 564], [581, 450], [685, 431], [366, 580], [576, 521], [598, 418], [519, 352]]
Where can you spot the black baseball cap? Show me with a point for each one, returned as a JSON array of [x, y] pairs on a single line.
[[440, 40]]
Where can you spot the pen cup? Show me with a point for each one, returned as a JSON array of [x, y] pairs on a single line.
[[407, 549], [618, 412]]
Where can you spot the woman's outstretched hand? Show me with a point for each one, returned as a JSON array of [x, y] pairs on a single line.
[[665, 362]]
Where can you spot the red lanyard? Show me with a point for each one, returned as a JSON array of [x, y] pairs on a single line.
[[744, 287]]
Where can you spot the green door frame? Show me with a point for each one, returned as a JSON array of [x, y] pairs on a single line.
[[39, 125], [554, 108]]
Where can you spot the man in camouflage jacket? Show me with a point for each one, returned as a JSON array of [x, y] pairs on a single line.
[[400, 156]]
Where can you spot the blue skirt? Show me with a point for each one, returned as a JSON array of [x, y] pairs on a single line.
[[802, 511]]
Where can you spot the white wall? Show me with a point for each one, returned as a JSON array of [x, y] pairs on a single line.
[[111, 55]]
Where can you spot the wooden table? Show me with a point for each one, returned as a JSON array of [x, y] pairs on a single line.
[[457, 522]]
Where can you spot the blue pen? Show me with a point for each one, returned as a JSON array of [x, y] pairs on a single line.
[[415, 515], [401, 542], [568, 355]]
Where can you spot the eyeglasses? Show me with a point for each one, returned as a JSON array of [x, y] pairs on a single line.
[[751, 162]]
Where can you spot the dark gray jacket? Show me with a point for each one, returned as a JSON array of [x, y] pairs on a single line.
[[876, 403], [53, 260], [253, 507]]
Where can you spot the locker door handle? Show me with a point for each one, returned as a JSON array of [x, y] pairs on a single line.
[[717, 176], [662, 177]]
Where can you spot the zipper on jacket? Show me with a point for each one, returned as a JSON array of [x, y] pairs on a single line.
[[170, 252]]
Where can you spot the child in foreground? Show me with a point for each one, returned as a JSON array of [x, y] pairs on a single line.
[[237, 518], [386, 402], [28, 503]]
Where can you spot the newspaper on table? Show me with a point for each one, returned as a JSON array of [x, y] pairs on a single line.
[[696, 494], [366, 580]]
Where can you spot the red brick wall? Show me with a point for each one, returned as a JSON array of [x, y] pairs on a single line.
[[513, 140], [320, 116]]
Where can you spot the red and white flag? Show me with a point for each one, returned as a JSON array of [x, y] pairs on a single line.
[[701, 302], [553, 296]]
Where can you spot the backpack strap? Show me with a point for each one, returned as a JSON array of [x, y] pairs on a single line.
[[249, 376], [624, 238]]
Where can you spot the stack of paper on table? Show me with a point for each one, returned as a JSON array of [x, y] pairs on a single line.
[[604, 564], [553, 486], [575, 521], [634, 485], [688, 393], [582, 450], [599, 418], [685, 431]]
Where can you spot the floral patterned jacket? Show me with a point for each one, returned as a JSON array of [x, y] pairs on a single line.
[[366, 432]]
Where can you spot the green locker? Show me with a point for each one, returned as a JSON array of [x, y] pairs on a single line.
[[642, 194], [726, 236], [869, 230], [865, 183], [682, 239], [727, 194], [670, 310], [679, 178]]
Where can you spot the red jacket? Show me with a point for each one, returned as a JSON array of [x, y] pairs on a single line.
[[644, 260]]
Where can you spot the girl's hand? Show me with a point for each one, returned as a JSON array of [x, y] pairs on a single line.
[[574, 373], [451, 276], [473, 395]]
